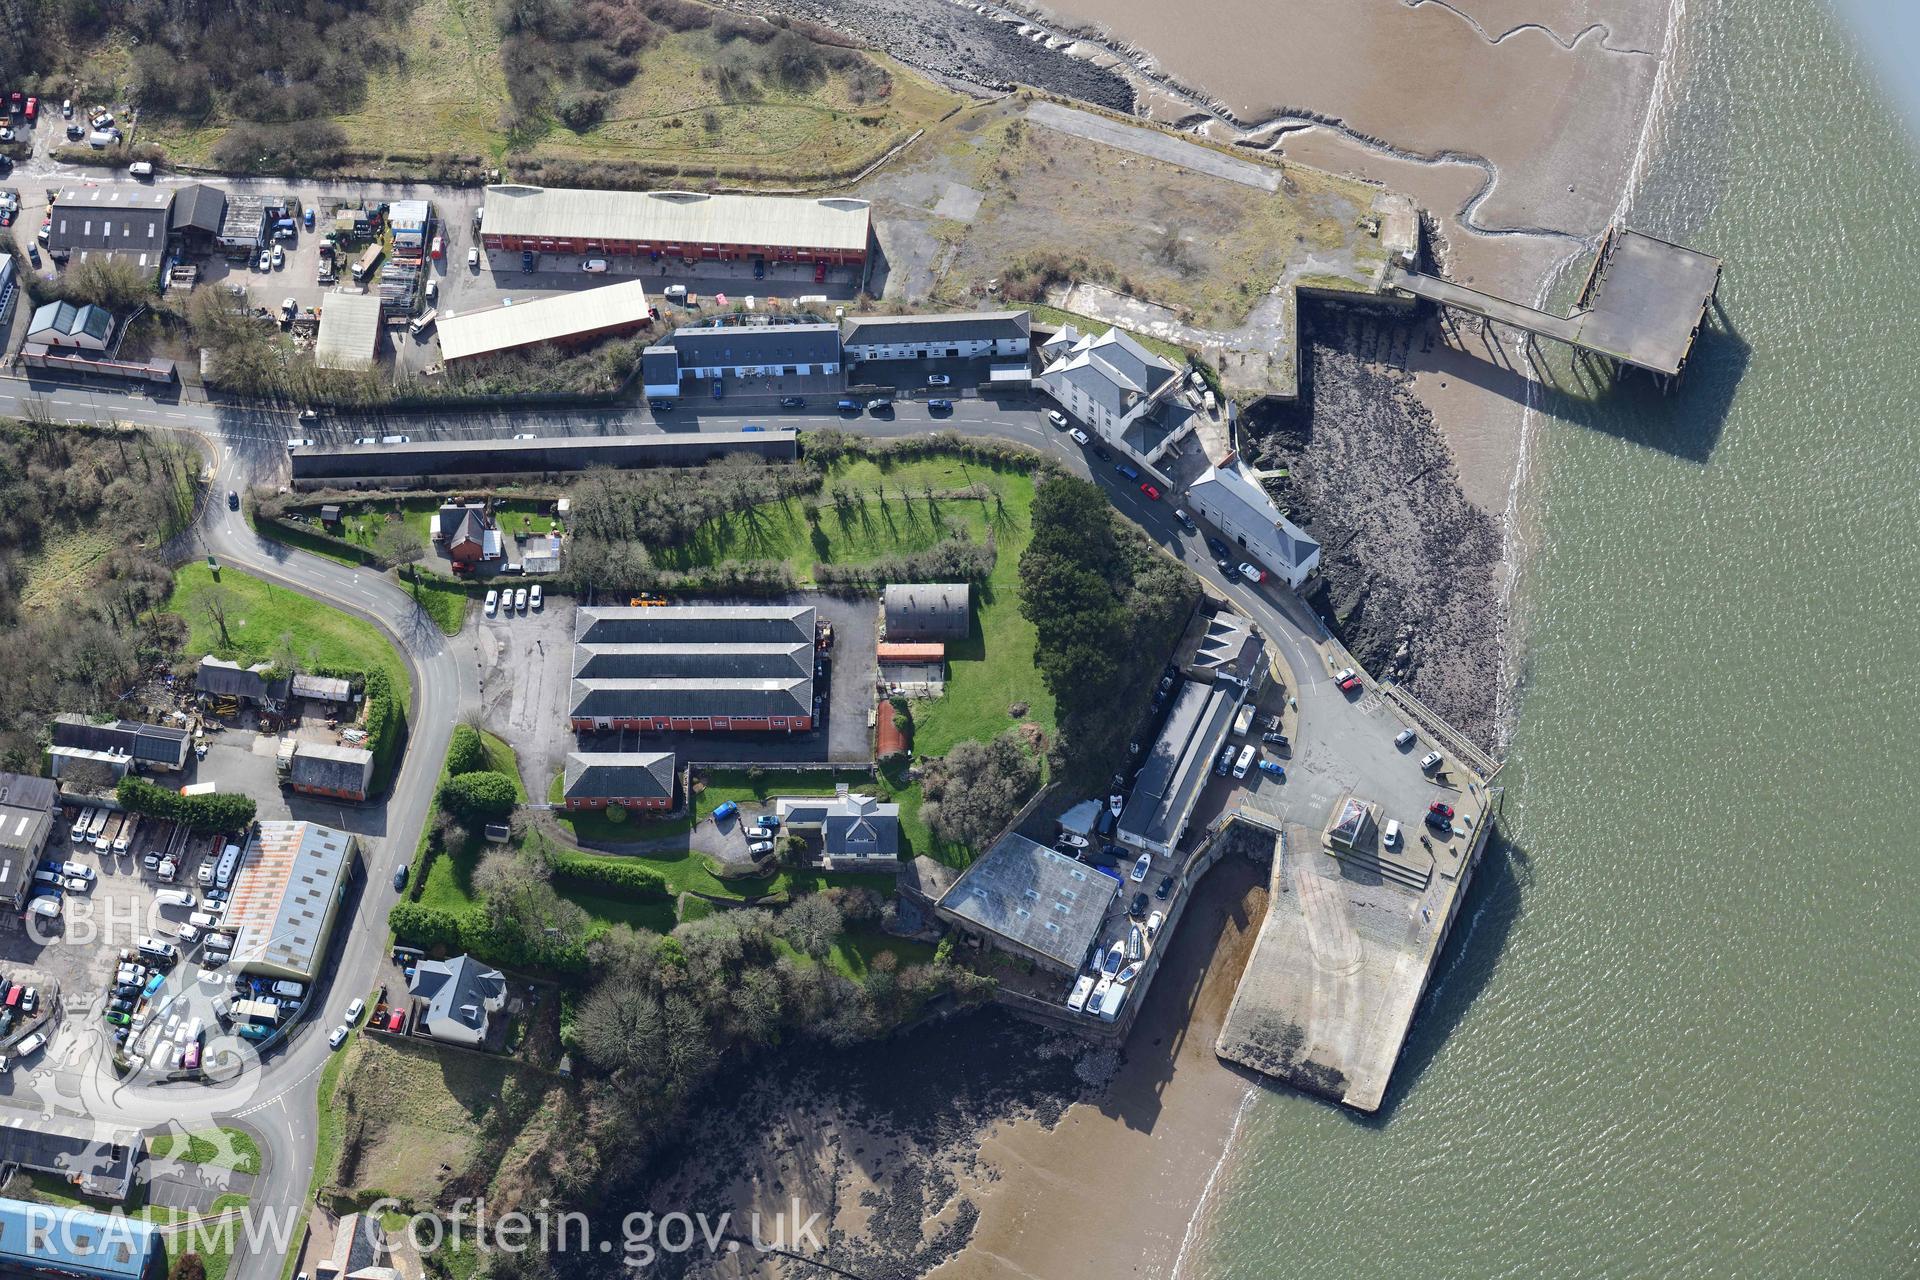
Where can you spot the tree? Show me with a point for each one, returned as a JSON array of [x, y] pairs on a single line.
[[187, 1267], [811, 924], [973, 793], [399, 547], [425, 927], [466, 752], [215, 601], [479, 796]]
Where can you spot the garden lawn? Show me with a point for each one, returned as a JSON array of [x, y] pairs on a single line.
[[239, 1151], [444, 600]]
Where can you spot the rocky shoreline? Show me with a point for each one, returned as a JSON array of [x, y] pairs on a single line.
[[963, 47], [1409, 567]]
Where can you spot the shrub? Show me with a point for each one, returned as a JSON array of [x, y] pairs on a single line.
[[628, 880], [616, 814], [466, 752], [479, 796], [203, 814], [425, 927]]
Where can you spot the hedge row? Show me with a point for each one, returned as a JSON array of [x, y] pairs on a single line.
[[203, 814], [627, 880]]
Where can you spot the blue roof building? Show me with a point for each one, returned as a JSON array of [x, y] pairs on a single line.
[[43, 1239]]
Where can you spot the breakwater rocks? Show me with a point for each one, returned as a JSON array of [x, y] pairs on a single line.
[[963, 46]]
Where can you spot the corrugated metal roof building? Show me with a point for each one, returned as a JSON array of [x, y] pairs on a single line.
[[286, 898], [113, 221], [928, 611], [44, 1239], [565, 318], [696, 668], [349, 331], [680, 224]]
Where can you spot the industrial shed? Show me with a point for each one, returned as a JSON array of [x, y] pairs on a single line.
[[735, 670], [129, 223], [565, 318], [349, 331], [928, 611], [680, 224], [321, 769], [470, 460], [286, 898]]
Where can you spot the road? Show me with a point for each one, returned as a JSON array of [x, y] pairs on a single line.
[[247, 445]]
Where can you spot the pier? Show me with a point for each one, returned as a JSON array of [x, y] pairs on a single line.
[[1641, 306]]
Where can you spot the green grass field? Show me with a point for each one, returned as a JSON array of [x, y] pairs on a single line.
[[239, 1151], [446, 602]]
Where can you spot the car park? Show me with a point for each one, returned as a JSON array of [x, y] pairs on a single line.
[[1141, 866]]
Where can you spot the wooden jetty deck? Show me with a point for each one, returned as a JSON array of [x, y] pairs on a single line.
[[1642, 304]]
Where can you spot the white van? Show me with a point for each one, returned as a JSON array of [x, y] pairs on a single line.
[[396, 439], [157, 949], [140, 169], [678, 291], [202, 920], [1244, 763], [594, 266], [290, 990], [78, 869], [173, 898], [1390, 834]]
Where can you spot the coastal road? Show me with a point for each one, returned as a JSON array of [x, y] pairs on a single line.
[[247, 445]]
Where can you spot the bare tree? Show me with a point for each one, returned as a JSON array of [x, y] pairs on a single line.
[[216, 602], [399, 546]]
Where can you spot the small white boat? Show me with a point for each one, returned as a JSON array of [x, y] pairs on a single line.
[[1128, 974]]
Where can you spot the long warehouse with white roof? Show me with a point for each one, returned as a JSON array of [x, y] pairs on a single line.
[[564, 318], [690, 225]]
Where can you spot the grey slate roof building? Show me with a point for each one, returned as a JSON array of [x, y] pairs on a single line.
[[102, 1165], [198, 210], [928, 611], [1240, 507], [155, 745], [335, 771], [696, 624], [1221, 645], [660, 371], [1178, 766], [691, 661], [222, 679], [112, 221], [692, 699], [1027, 899], [750, 349], [26, 820], [960, 334], [619, 775], [850, 825], [458, 995]]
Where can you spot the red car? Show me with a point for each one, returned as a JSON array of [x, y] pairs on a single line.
[[1150, 491], [33, 109], [437, 247], [1441, 809], [398, 1022], [819, 272]]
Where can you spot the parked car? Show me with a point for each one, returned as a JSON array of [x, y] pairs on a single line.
[[719, 388], [938, 380], [400, 877], [1273, 767], [520, 600], [266, 261], [527, 259], [1154, 922], [1141, 866], [354, 1010], [279, 257], [1080, 437], [1347, 679], [1059, 420], [1440, 809], [1185, 520], [1404, 739], [439, 248], [1390, 834], [793, 402], [1224, 763], [473, 259], [1429, 762], [337, 1037], [533, 596], [1126, 471], [880, 404], [1164, 888], [1138, 906], [939, 406], [1439, 821], [1220, 554], [1252, 572], [1277, 740], [725, 809], [1152, 491], [758, 847]]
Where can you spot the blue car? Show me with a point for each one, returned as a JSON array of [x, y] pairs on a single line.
[[725, 810], [1126, 471], [940, 406], [753, 426], [719, 388], [1273, 767]]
